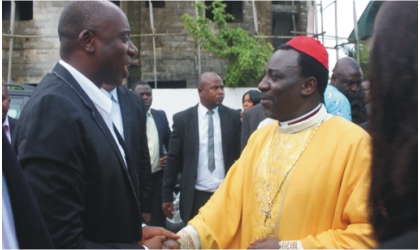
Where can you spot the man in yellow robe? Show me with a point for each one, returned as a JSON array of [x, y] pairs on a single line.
[[300, 183]]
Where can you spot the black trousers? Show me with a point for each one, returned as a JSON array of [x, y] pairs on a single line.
[[200, 199], [157, 219]]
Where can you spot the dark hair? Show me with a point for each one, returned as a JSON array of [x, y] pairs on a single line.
[[309, 66], [77, 16], [393, 197], [358, 111], [254, 96], [134, 85]]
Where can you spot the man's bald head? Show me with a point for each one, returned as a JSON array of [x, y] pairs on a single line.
[[347, 77], [78, 16], [207, 77], [346, 62], [211, 90]]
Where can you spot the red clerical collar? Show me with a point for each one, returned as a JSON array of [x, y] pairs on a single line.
[[306, 116]]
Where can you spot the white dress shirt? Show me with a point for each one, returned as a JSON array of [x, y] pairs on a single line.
[[6, 127], [115, 110], [101, 100], [206, 180]]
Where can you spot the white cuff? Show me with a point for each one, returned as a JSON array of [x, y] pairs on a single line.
[[292, 244]]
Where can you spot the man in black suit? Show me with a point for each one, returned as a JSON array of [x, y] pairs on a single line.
[[251, 118], [23, 226], [129, 117], [158, 135], [205, 142], [76, 163], [8, 122]]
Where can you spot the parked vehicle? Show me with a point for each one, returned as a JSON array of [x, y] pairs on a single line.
[[19, 95]]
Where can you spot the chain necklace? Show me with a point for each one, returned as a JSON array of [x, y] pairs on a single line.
[[271, 201]]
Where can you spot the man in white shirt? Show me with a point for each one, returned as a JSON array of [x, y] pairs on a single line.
[[158, 135], [205, 142]]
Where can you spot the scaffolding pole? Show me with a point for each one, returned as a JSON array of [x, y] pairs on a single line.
[[154, 42], [12, 32], [198, 43], [356, 32], [336, 30], [254, 12]]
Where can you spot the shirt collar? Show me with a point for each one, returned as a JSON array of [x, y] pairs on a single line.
[[6, 121], [112, 93], [202, 111], [307, 121], [98, 97]]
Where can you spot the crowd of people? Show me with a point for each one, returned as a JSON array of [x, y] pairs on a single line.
[[308, 164]]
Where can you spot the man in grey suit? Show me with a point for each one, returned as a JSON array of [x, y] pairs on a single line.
[[251, 118], [205, 142]]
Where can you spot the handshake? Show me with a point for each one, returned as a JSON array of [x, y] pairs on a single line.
[[158, 238]]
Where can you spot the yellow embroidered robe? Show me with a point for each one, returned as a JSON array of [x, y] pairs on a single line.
[[322, 203]]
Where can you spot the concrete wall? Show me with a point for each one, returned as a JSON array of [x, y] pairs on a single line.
[[177, 53], [32, 58]]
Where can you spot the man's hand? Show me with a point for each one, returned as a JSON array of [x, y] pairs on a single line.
[[146, 218], [150, 232], [266, 243], [171, 244], [168, 209], [153, 243], [162, 161]]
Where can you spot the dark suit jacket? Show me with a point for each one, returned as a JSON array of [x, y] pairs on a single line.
[[163, 129], [251, 118], [12, 124], [183, 153], [30, 228], [133, 114], [88, 197]]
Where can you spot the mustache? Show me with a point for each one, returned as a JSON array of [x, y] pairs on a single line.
[[267, 96]]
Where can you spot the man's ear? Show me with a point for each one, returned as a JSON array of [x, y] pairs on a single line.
[[333, 79], [309, 86], [86, 40]]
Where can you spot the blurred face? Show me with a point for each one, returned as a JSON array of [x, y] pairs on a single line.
[[347, 80], [114, 50], [281, 86], [146, 93], [246, 102], [366, 89], [211, 91], [5, 102]]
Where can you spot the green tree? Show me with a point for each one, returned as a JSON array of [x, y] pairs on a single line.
[[246, 56]]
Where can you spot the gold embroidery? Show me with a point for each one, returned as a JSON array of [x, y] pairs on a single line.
[[273, 169], [186, 240]]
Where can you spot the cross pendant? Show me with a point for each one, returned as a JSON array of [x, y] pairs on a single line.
[[267, 214]]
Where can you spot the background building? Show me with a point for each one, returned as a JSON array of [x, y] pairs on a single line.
[[178, 60]]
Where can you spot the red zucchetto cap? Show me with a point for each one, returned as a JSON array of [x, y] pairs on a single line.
[[311, 47]]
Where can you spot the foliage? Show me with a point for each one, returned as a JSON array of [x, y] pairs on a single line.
[[246, 56], [364, 58]]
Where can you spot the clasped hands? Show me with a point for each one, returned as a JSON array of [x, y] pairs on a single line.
[[153, 237], [266, 243]]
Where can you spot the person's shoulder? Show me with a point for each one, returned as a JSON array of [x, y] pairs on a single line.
[[339, 126], [223, 108], [185, 112]]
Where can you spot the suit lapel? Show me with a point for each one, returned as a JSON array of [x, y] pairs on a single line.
[[194, 134], [223, 127], [156, 118], [125, 114]]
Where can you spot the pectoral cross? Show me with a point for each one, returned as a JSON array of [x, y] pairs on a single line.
[[267, 214]]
